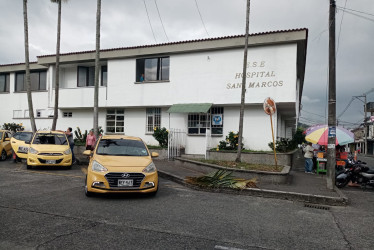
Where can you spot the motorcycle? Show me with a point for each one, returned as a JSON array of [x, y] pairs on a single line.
[[356, 172]]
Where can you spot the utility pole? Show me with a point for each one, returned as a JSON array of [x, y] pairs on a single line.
[[365, 118], [332, 100], [241, 116]]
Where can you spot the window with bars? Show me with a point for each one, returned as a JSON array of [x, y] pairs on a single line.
[[68, 114], [199, 123], [115, 121], [153, 119]]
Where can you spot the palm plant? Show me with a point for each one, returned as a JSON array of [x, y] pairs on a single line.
[[221, 179], [27, 64], [57, 72]]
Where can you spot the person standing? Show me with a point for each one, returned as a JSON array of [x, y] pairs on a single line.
[[90, 140], [308, 150], [69, 135]]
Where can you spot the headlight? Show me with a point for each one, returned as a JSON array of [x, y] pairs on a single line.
[[97, 167], [150, 168], [67, 152], [33, 151]]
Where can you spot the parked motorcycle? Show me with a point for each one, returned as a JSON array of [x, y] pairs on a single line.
[[357, 172]]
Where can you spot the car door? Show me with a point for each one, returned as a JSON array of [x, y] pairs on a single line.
[[18, 143], [6, 143]]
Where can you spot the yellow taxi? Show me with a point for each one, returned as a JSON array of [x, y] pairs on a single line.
[[5, 147], [49, 148], [121, 164], [19, 145]]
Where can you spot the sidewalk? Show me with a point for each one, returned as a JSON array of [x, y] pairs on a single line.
[[300, 186]]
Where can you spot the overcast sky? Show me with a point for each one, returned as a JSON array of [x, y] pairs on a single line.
[[125, 23]]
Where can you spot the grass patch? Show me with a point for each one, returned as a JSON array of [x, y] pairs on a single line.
[[243, 165]]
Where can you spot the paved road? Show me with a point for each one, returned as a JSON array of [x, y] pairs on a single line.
[[47, 209]]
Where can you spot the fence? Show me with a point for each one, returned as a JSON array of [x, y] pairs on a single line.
[[176, 143]]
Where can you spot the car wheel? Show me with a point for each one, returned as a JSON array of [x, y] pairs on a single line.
[[28, 166], [86, 192], [68, 167], [3, 155]]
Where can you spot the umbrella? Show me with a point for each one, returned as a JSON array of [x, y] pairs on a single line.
[[319, 135]]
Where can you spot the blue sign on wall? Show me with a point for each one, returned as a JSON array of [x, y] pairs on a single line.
[[332, 132]]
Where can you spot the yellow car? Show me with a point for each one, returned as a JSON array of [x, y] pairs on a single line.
[[49, 148], [19, 145], [5, 148], [121, 164]]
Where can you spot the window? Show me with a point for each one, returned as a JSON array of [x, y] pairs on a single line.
[[198, 123], [115, 121], [86, 76], [68, 114], [153, 119], [154, 69], [38, 81], [17, 114], [104, 76], [4, 83]]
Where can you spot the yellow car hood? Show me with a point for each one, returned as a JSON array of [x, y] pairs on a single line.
[[123, 161], [45, 148]]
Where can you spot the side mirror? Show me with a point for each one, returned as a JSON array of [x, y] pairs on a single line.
[[154, 154], [87, 152]]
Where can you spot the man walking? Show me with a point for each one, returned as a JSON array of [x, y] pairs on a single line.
[[308, 158]]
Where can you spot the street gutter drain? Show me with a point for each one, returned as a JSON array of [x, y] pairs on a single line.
[[316, 206]]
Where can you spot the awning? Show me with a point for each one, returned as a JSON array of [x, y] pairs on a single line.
[[190, 108]]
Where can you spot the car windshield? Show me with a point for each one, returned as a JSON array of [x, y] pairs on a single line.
[[1, 135], [121, 147], [48, 138], [23, 136]]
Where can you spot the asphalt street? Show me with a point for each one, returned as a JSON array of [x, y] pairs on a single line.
[[47, 209]]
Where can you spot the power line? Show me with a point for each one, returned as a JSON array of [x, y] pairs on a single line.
[[364, 17], [314, 113], [354, 10], [349, 104], [197, 6], [340, 28], [161, 20], [149, 20]]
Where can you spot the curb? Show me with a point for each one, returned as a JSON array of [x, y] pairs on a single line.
[[342, 200]]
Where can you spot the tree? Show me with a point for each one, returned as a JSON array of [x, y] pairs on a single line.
[[241, 117], [57, 71], [27, 64], [97, 69]]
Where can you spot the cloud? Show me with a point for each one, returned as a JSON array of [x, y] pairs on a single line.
[[307, 100]]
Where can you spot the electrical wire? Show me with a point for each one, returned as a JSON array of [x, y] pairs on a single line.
[[349, 104], [354, 14], [149, 20], [201, 17], [340, 28], [314, 114], [366, 13], [161, 20]]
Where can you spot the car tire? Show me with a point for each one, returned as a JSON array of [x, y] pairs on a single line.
[[68, 167], [86, 192], [3, 155]]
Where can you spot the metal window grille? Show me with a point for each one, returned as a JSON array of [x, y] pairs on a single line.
[[199, 123], [115, 121], [153, 119]]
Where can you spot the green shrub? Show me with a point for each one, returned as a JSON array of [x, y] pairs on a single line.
[[14, 127], [231, 142], [286, 145], [161, 135]]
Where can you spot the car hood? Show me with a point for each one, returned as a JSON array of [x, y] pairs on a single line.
[[46, 148], [123, 161]]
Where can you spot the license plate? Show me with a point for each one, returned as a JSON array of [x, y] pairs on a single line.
[[125, 183], [23, 149], [50, 161]]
